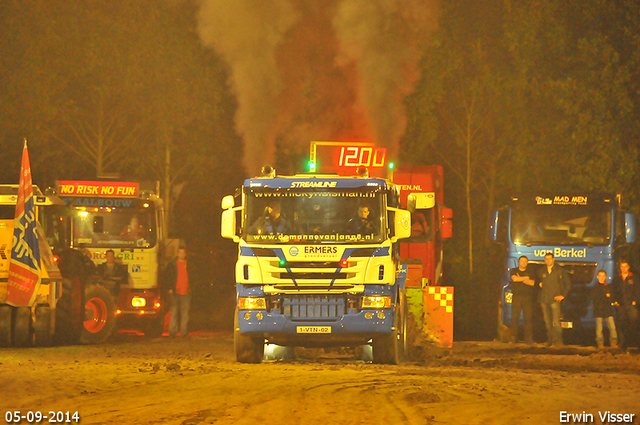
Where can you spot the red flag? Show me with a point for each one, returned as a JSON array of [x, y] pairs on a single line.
[[24, 270]]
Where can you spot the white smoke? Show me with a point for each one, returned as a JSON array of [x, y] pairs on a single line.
[[369, 52], [247, 33]]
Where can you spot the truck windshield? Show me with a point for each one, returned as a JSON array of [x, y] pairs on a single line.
[[315, 216], [114, 227], [560, 225]]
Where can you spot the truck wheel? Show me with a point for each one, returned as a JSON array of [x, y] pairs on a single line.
[[22, 327], [99, 315], [249, 349], [69, 315], [42, 326], [388, 348], [5, 326]]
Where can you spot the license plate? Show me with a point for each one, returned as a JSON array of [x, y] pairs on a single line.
[[314, 329]]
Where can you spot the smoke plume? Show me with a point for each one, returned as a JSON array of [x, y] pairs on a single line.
[[307, 70]]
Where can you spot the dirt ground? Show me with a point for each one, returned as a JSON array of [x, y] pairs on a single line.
[[133, 380]]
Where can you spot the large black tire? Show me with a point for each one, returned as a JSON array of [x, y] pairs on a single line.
[[389, 348], [249, 349], [42, 326], [6, 327], [100, 316], [69, 313], [22, 329]]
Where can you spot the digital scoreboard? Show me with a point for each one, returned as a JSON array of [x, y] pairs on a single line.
[[344, 158]]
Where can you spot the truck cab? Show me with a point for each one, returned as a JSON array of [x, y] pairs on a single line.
[[120, 217], [584, 231], [34, 321], [318, 263]]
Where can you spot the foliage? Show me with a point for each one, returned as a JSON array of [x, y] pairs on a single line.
[[104, 88], [522, 95]]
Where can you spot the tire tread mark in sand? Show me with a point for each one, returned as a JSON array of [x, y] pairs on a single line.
[[345, 385], [198, 417], [251, 408]]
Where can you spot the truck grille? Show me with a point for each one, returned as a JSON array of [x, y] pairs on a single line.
[[313, 264], [303, 275], [581, 274], [313, 307]]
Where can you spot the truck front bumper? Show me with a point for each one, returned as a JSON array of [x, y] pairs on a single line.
[[348, 329]]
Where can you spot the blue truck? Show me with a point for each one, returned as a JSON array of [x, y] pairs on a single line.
[[318, 264], [584, 232]]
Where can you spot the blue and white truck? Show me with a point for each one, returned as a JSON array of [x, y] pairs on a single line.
[[311, 270], [584, 231]]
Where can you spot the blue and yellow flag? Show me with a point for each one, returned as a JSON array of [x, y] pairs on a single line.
[[24, 270]]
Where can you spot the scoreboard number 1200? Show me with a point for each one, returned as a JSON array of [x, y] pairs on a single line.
[[362, 156]]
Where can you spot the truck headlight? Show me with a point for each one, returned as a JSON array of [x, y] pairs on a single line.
[[138, 302], [252, 303], [376, 301]]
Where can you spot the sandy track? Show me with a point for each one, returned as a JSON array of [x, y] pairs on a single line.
[[197, 382]]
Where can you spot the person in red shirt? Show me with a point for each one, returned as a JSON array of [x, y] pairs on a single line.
[[176, 282], [134, 230]]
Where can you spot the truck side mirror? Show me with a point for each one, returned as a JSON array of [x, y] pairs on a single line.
[[401, 224], [493, 226], [446, 226], [421, 201], [228, 226], [228, 202], [630, 227]]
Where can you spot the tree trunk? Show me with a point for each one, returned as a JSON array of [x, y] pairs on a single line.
[[467, 187], [167, 184]]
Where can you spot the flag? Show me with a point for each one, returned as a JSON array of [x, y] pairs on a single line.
[[24, 270]]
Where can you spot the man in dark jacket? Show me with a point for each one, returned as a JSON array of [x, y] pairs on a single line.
[[176, 284], [522, 283], [272, 222], [112, 274], [602, 296], [361, 223], [627, 294], [555, 285]]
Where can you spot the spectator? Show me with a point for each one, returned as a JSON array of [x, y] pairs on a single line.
[[601, 295], [522, 284], [555, 285], [177, 285], [628, 297]]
